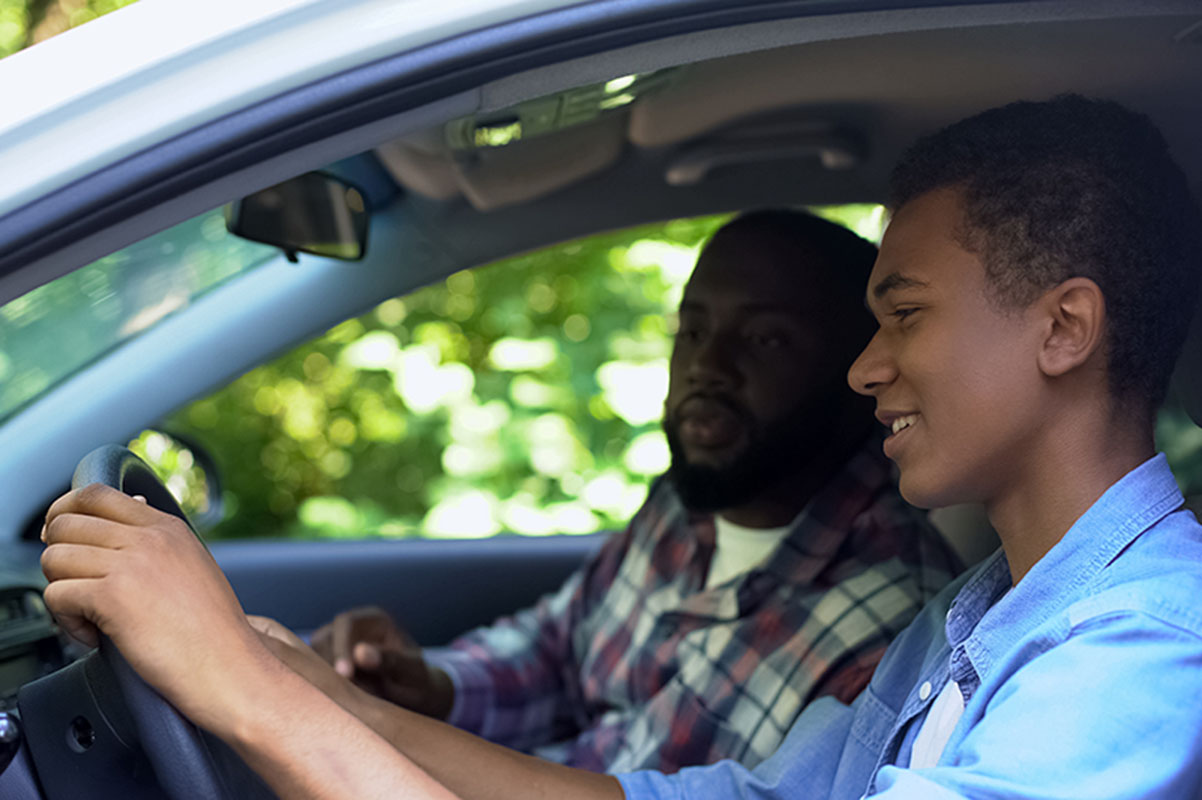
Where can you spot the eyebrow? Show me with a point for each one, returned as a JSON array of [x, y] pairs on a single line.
[[896, 280]]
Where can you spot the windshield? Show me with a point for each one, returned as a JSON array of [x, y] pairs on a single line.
[[57, 329]]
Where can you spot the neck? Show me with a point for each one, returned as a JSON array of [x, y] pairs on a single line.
[[780, 502], [1061, 478]]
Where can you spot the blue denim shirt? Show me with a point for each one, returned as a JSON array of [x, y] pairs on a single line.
[[1084, 681]]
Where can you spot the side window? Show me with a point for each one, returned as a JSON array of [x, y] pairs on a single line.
[[523, 396]]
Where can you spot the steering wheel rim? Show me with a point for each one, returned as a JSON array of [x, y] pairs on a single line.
[[178, 753]]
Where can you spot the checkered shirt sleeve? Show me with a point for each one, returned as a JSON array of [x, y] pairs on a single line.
[[517, 682]]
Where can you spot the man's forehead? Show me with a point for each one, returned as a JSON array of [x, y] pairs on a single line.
[[757, 278], [922, 234], [750, 291], [703, 304]]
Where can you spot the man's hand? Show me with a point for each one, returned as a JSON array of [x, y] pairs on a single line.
[[365, 645], [142, 577], [119, 567]]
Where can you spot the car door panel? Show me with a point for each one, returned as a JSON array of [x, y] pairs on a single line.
[[435, 588]]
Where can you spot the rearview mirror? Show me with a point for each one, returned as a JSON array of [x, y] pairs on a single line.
[[311, 213]]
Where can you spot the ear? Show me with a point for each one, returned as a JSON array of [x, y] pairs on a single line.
[[1075, 315]]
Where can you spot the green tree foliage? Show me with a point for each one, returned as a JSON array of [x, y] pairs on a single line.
[[1181, 441], [521, 396], [26, 22]]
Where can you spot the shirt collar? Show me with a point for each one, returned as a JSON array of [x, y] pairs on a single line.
[[993, 627]]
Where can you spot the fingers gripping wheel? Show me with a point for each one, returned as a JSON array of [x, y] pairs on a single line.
[[115, 466], [187, 763]]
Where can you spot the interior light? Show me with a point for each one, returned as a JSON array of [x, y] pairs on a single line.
[[615, 101], [497, 134], [618, 84]]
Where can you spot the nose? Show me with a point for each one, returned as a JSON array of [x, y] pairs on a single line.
[[873, 369], [714, 362]]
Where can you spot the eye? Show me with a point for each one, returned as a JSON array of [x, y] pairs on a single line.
[[768, 339], [902, 313]]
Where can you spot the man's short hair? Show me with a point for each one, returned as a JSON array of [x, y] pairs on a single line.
[[1075, 187], [843, 257]]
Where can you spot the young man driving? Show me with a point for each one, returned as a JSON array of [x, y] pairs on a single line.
[[1033, 291]]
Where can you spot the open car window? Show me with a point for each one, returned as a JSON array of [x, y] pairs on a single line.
[[523, 396], [57, 329]]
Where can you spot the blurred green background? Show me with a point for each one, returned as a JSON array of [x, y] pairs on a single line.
[[522, 396], [26, 22]]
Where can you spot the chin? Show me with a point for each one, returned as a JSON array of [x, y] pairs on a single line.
[[927, 491], [714, 457]]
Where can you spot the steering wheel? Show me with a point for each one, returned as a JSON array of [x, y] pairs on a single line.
[[116, 716], [177, 753]]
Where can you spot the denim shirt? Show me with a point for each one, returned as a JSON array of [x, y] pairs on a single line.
[[1083, 681]]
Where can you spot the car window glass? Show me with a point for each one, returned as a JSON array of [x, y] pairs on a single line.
[[524, 397], [55, 330]]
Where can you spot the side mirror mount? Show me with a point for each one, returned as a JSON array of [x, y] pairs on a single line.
[[314, 213], [188, 471]]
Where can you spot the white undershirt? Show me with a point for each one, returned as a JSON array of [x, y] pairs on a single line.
[[937, 727], [941, 720], [737, 549]]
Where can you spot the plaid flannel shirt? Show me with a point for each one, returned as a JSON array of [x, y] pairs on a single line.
[[634, 664]]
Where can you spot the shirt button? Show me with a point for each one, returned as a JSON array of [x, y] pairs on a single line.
[[924, 691]]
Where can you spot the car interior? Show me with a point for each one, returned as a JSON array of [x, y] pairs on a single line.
[[517, 150]]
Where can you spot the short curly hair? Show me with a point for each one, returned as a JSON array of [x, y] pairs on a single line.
[[1076, 187]]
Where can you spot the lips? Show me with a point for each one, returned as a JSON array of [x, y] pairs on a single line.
[[707, 423], [900, 426]]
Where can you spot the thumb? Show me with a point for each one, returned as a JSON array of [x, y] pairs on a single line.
[[367, 657]]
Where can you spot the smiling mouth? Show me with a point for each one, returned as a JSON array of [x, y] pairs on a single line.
[[901, 423]]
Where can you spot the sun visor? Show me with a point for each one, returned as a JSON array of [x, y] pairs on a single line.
[[529, 169], [515, 172], [427, 173]]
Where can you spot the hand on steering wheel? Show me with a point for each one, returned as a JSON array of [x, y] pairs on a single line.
[[136, 572]]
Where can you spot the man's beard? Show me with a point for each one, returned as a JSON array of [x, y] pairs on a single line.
[[772, 453]]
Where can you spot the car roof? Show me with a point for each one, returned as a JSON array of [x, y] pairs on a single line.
[[195, 86], [159, 68]]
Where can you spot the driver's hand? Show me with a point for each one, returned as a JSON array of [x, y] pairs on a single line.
[[366, 646], [121, 567]]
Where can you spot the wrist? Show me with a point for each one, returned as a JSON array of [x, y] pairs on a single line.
[[258, 691]]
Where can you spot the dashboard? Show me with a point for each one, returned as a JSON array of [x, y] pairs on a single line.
[[31, 646], [30, 643]]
